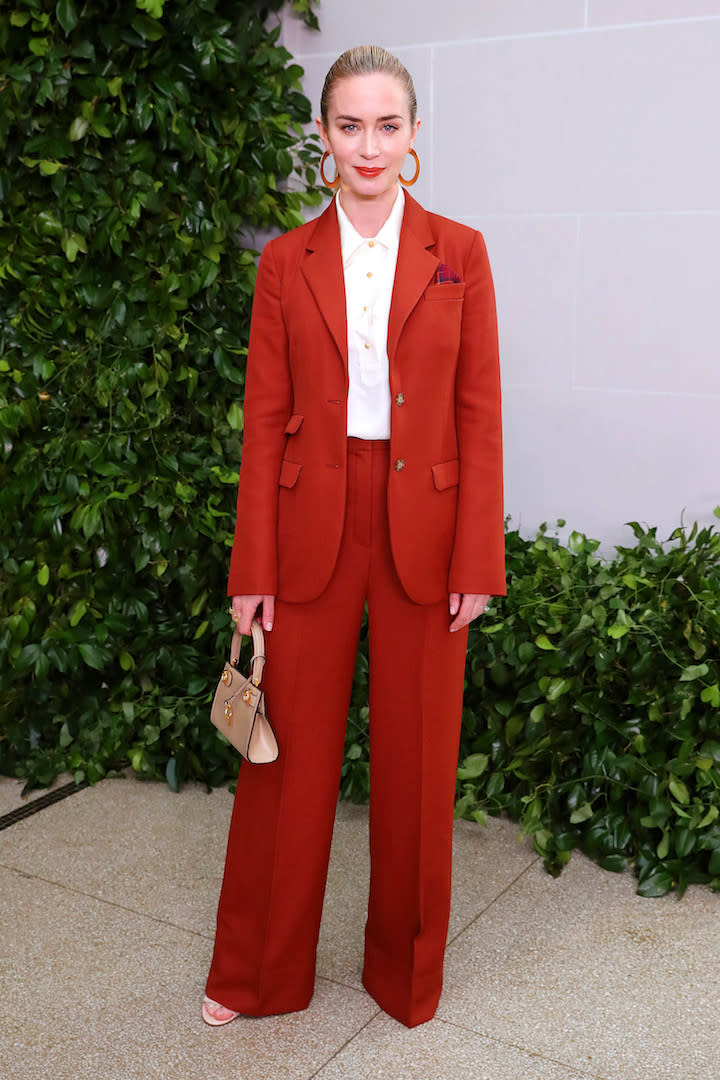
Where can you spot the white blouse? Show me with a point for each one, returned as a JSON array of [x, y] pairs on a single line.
[[369, 270]]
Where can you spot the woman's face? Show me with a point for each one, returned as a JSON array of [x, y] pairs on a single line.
[[369, 132]]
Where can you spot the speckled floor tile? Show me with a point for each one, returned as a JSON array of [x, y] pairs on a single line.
[[385, 1050], [90, 989], [485, 862], [134, 844], [582, 970]]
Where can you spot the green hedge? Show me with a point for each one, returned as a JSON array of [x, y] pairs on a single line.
[[139, 147], [593, 705]]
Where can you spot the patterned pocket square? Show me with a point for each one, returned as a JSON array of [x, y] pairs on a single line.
[[444, 274]]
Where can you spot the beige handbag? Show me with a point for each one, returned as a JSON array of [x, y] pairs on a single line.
[[238, 708]]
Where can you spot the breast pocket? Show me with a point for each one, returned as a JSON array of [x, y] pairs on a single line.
[[450, 290]]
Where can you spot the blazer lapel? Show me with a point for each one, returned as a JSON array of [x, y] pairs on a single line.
[[323, 270], [416, 267]]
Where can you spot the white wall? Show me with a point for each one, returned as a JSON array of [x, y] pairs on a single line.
[[582, 138]]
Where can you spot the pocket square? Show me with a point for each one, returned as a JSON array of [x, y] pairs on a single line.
[[444, 274]]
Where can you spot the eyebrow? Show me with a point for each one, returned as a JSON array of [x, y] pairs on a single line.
[[357, 119]]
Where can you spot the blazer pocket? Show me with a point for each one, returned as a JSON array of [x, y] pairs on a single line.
[[289, 472], [294, 424], [446, 474], [449, 290]]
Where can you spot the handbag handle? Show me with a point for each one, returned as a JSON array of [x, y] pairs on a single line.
[[258, 658]]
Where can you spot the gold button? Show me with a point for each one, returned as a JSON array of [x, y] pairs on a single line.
[[399, 399], [399, 464], [371, 243], [369, 273], [364, 307], [366, 345]]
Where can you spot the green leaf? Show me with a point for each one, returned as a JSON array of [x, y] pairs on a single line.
[[43, 575], [77, 612], [92, 655], [658, 883], [235, 416], [694, 671], [78, 128], [711, 695], [543, 642], [679, 791], [556, 688], [154, 8], [66, 15], [171, 771], [581, 814], [473, 766]]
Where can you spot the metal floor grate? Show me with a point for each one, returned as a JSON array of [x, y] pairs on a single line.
[[35, 805]]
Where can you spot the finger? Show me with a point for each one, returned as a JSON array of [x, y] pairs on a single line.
[[454, 602], [243, 610], [463, 616], [268, 611]]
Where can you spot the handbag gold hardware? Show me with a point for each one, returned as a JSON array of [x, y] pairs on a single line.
[[226, 676]]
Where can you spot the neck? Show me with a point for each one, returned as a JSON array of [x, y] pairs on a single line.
[[368, 215]]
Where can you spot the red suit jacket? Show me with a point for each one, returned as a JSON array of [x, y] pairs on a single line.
[[445, 483]]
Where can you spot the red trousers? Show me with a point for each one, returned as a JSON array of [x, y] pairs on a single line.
[[281, 829]]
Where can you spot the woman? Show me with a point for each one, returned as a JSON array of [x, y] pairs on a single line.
[[371, 474]]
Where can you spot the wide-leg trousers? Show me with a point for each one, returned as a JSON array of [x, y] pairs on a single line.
[[281, 829]]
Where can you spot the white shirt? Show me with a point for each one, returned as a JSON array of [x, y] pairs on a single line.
[[369, 270]]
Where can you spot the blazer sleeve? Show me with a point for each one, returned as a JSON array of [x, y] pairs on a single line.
[[267, 406], [478, 558]]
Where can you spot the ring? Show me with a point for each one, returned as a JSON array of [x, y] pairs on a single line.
[[234, 615]]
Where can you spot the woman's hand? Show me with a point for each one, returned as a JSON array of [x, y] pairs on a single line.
[[467, 606], [244, 607]]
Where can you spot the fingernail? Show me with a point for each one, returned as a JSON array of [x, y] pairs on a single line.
[[453, 609], [268, 626]]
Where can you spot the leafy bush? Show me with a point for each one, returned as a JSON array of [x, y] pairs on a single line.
[[137, 145], [593, 705]]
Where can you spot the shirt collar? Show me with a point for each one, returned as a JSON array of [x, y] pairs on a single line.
[[388, 235]]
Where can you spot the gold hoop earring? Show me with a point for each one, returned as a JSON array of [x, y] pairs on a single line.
[[332, 184], [409, 183]]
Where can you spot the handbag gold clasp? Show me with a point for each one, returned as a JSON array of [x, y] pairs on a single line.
[[225, 676], [228, 711], [247, 696]]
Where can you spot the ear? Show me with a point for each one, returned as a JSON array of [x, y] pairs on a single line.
[[323, 133], [415, 131]]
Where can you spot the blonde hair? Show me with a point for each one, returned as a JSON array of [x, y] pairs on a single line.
[[365, 60]]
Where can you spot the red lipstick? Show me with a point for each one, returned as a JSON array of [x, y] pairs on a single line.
[[367, 172]]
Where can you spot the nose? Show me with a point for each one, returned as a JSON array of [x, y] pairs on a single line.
[[369, 147]]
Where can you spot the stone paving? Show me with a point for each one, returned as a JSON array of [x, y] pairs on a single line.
[[108, 904]]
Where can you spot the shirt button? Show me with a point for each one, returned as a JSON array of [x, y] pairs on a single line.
[[371, 243], [399, 399], [366, 345], [399, 464], [369, 273], [364, 307]]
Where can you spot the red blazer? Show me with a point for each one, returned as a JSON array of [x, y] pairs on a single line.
[[445, 483]]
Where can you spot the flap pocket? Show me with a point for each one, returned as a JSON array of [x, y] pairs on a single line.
[[289, 472], [294, 424], [446, 474], [448, 290]]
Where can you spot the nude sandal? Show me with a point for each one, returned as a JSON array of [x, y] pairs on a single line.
[[213, 1020]]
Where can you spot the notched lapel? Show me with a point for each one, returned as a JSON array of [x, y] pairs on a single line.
[[323, 270], [416, 267]]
